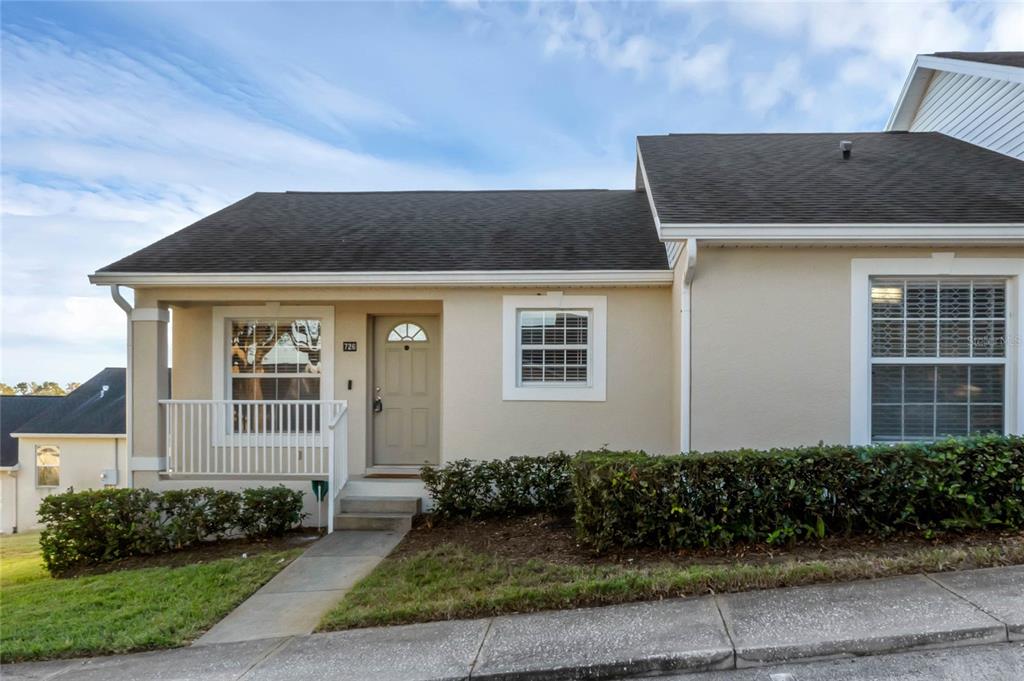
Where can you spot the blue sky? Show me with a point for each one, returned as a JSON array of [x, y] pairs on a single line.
[[124, 122]]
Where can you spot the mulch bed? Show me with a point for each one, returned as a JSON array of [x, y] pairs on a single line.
[[551, 539], [206, 552]]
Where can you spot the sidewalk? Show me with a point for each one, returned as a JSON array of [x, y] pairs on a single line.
[[297, 598], [686, 635]]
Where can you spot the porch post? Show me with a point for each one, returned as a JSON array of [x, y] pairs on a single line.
[[150, 383]]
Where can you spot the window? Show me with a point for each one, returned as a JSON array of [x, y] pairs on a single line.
[[938, 357], [553, 348], [47, 466], [407, 332], [275, 359]]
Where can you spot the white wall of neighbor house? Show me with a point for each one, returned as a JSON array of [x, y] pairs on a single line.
[[771, 334], [475, 420], [8, 500], [988, 112], [82, 460]]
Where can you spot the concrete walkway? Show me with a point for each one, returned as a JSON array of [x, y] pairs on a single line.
[[294, 601], [702, 634]]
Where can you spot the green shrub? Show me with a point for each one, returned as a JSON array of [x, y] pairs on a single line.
[[192, 515], [780, 496], [513, 486], [98, 526], [269, 511]]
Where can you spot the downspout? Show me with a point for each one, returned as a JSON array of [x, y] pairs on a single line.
[[685, 358], [129, 475], [14, 474]]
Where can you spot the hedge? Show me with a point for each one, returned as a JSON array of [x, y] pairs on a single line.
[[506, 487], [97, 526], [788, 495]]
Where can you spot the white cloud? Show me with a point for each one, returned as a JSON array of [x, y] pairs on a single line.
[[1007, 27], [705, 70], [586, 34], [764, 91]]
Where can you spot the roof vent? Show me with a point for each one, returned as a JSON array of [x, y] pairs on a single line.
[[846, 146], [103, 390]]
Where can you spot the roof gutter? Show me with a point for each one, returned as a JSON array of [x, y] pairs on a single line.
[[857, 232], [115, 293], [472, 278]]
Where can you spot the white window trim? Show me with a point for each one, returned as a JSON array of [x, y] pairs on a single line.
[[222, 315], [940, 264], [36, 465], [594, 391]]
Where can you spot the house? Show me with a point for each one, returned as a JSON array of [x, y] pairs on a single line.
[[53, 444], [977, 97], [753, 290]]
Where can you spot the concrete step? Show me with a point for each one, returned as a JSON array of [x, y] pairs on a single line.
[[393, 522], [368, 504]]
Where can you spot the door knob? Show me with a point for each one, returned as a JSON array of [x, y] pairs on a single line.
[[378, 403]]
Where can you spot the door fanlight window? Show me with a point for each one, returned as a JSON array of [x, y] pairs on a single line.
[[407, 332]]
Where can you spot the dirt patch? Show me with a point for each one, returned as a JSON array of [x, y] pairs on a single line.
[[551, 539], [204, 553]]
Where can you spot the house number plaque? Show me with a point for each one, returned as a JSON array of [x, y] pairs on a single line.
[[348, 346]]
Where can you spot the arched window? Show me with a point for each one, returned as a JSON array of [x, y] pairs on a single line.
[[406, 332]]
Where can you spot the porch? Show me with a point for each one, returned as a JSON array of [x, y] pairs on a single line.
[[259, 440]]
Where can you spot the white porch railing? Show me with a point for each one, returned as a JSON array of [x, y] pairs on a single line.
[[298, 439]]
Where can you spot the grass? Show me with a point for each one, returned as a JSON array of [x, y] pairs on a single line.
[[119, 611], [452, 582]]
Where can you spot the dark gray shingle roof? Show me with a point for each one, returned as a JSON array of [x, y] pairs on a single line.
[[14, 411], [789, 178], [87, 409], [413, 231], [998, 58]]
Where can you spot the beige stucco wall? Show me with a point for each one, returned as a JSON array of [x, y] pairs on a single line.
[[475, 421], [82, 459], [771, 343]]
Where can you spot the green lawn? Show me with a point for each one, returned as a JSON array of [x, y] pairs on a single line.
[[138, 609], [451, 581]]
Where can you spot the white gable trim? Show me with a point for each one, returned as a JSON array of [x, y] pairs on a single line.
[[647, 188], [920, 74]]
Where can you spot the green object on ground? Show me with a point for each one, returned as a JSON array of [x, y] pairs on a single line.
[[320, 490], [121, 611], [453, 582]]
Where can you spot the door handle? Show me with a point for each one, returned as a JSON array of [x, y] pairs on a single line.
[[378, 403]]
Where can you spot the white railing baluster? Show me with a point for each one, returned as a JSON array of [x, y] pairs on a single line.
[[257, 438]]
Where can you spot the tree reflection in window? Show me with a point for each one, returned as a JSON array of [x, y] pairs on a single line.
[[407, 332]]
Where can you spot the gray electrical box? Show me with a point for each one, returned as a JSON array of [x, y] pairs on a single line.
[[109, 476]]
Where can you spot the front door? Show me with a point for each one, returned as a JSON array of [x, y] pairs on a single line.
[[406, 391]]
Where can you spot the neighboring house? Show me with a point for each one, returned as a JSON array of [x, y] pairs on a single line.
[[755, 290], [52, 444], [977, 97], [14, 411]]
